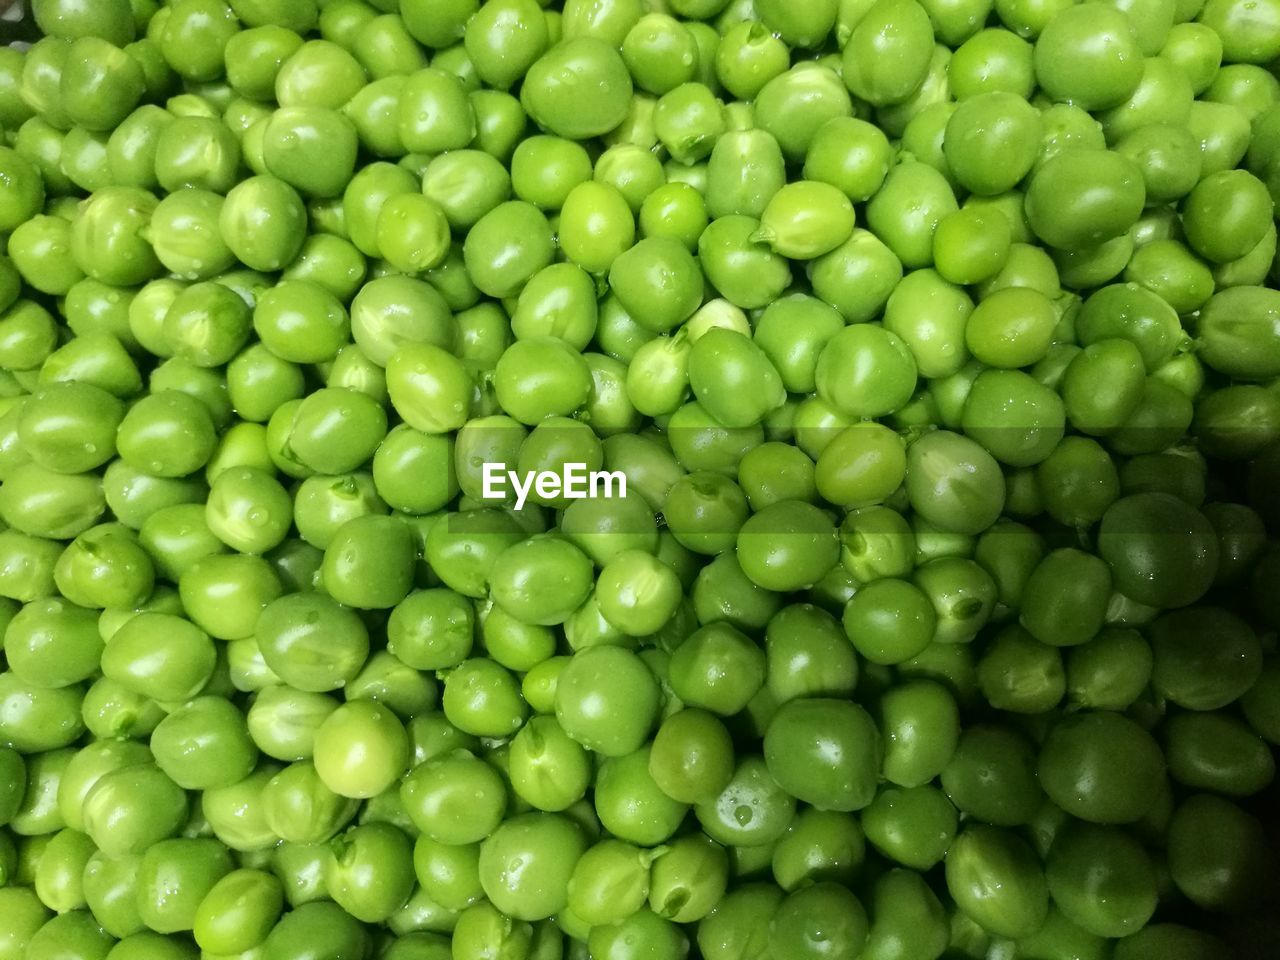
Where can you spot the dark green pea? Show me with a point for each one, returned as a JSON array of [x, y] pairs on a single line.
[[1066, 578], [1178, 473], [987, 755], [997, 882], [1101, 767], [911, 826], [921, 726], [1019, 674], [1077, 482], [1216, 853], [808, 739], [1215, 751], [1110, 671], [1161, 551], [1197, 677], [1169, 939]]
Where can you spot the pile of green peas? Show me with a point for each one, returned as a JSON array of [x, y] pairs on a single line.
[[937, 341]]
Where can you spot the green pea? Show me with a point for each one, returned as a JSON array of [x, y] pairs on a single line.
[[130, 809], [907, 209], [371, 895], [1196, 50], [206, 324], [1171, 939], [806, 219], [263, 223], [550, 843], [553, 86], [1215, 751], [858, 277], [391, 310], [238, 911], [997, 881], [1219, 215], [1081, 197], [752, 810], [912, 826], [888, 33], [1101, 767], [311, 148], [933, 318], [504, 40], [315, 927], [506, 247], [1215, 853], [1070, 67], [105, 567], [802, 743], [1016, 419], [319, 73], [360, 749], [746, 273], [641, 279], [588, 691], [745, 170]]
